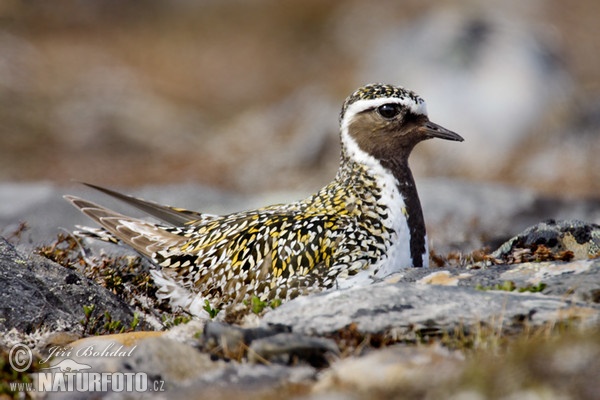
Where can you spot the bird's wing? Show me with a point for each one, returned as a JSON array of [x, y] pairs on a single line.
[[143, 236], [265, 253], [171, 215], [273, 252]]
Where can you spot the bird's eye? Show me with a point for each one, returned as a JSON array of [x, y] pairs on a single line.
[[388, 111]]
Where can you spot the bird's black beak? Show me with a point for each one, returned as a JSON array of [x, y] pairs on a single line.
[[431, 130]]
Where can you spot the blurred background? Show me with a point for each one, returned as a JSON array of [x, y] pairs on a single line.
[[245, 95]]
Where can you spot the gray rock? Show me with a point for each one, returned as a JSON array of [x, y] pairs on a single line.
[[159, 363], [220, 335], [578, 280], [394, 368], [404, 309], [272, 343], [580, 238], [214, 330], [291, 348], [38, 293], [177, 368], [250, 377], [159, 357], [535, 368]]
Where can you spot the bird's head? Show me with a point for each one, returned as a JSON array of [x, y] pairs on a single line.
[[386, 122]]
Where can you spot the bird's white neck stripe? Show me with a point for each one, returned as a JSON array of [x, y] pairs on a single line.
[[356, 154]]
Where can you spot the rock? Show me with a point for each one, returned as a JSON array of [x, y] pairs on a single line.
[[160, 357], [128, 339], [443, 278], [163, 364], [403, 310], [530, 368], [580, 238], [248, 381], [390, 369], [235, 338], [291, 348], [175, 366], [578, 280], [54, 295], [269, 344]]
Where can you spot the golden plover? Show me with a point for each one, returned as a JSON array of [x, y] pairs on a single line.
[[365, 225]]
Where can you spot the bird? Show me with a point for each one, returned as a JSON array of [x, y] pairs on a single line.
[[365, 225]]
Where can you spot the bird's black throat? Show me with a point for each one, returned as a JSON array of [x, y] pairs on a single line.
[[416, 222]]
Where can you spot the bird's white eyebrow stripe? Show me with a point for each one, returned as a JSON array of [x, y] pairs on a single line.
[[418, 108], [362, 105]]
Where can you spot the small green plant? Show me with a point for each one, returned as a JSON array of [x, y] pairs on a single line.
[[87, 313], [257, 305], [275, 303], [111, 326], [135, 322], [105, 324], [170, 321], [212, 312], [533, 288]]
